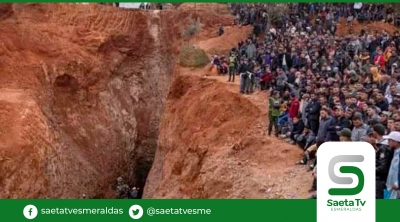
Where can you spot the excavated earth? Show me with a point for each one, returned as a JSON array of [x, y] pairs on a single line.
[[212, 144], [82, 90], [89, 93]]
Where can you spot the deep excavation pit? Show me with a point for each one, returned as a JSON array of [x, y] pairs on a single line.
[[82, 91]]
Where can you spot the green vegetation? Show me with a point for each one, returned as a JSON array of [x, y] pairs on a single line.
[[192, 56], [193, 28]]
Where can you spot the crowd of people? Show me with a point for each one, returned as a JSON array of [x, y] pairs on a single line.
[[247, 14], [323, 86]]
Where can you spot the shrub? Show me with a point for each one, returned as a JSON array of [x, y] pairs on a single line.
[[191, 56], [193, 28]]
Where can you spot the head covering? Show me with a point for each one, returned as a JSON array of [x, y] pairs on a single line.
[[395, 136], [379, 129], [393, 175], [345, 133], [370, 131], [357, 116]]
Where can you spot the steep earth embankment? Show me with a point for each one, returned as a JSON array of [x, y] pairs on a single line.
[[82, 88], [223, 44], [212, 144], [212, 141]]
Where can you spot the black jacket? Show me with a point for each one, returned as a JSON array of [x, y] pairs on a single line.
[[313, 110], [383, 105], [243, 68], [291, 78], [342, 123], [288, 59], [302, 63], [217, 62], [391, 60], [298, 128], [336, 126], [250, 67], [331, 134], [384, 157], [373, 45]]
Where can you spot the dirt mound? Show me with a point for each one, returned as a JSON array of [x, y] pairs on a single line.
[[222, 44], [210, 14], [212, 145], [81, 97], [343, 29]]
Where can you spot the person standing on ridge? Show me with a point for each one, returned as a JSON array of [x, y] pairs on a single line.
[[273, 112], [244, 75], [232, 67], [313, 111]]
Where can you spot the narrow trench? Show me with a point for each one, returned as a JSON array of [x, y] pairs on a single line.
[[141, 174], [148, 146], [142, 169], [147, 140]]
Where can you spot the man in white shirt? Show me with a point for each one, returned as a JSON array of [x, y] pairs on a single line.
[[392, 182]]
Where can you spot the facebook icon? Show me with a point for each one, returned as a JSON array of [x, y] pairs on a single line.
[[30, 212]]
